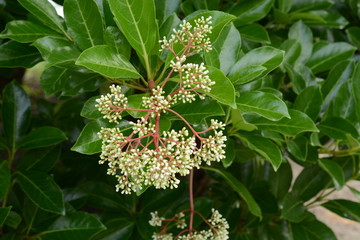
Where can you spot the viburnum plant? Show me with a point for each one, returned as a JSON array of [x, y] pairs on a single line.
[[198, 110]]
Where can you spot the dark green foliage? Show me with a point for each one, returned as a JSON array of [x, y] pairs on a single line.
[[287, 85]]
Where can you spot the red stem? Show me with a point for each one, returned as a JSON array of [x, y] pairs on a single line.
[[191, 200]]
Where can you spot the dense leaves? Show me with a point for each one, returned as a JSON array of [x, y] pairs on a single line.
[[286, 85]]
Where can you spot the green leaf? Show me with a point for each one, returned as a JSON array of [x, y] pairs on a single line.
[[338, 76], [335, 172], [165, 8], [265, 147], [14, 54], [4, 212], [293, 208], [40, 159], [252, 11], [262, 57], [42, 137], [311, 229], [239, 122], [135, 101], [53, 79], [16, 113], [116, 228], [308, 5], [57, 51], [292, 50], [326, 55], [344, 208], [309, 101], [219, 21], [89, 141], [255, 32], [45, 12], [106, 61], [84, 22], [115, 38], [298, 123], [302, 33], [280, 181], [310, 182], [355, 84], [42, 190], [353, 34], [297, 79], [5, 179], [223, 90], [299, 147], [196, 111], [25, 31], [337, 128], [137, 20], [228, 45], [265, 104], [240, 189], [80, 80], [73, 226], [89, 110]]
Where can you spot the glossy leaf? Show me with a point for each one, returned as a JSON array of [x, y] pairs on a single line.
[[355, 84], [106, 61], [247, 12], [45, 12], [5, 179], [4, 212], [239, 123], [302, 33], [262, 57], [228, 46], [25, 31], [84, 22], [255, 32], [117, 228], [335, 172], [310, 182], [165, 8], [73, 226], [353, 33], [280, 181], [80, 80], [42, 137], [337, 128], [298, 123], [40, 159], [42, 190], [89, 141], [137, 20], [263, 146], [308, 5], [309, 101], [115, 38], [240, 189], [311, 229], [299, 147], [355, 192], [344, 208], [15, 113], [198, 110], [14, 54], [54, 79], [293, 208], [89, 110], [264, 104], [326, 55], [292, 50], [223, 90]]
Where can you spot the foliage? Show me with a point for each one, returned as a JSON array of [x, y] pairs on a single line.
[[286, 83]]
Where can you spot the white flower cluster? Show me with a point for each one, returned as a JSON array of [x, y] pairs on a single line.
[[109, 104], [188, 35], [218, 229], [157, 101]]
